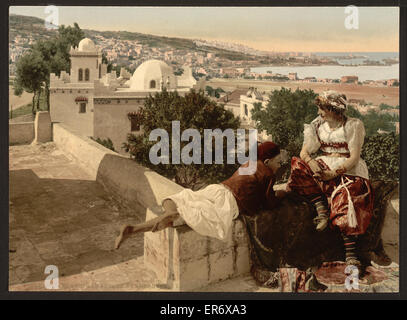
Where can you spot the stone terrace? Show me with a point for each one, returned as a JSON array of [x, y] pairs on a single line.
[[60, 216]]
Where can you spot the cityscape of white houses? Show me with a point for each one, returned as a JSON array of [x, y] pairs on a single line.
[[96, 103]]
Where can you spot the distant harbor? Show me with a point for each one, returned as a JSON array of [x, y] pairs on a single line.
[[335, 72], [361, 58]]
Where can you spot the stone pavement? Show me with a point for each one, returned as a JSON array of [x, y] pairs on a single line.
[[58, 216]]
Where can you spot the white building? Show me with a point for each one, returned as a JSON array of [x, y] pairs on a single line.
[[96, 103], [241, 103], [247, 103]]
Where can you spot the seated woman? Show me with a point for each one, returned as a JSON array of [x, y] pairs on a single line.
[[210, 211], [339, 173]]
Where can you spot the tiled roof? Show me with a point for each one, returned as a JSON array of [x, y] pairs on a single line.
[[233, 97]]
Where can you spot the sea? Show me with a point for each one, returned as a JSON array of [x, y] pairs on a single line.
[[349, 67]]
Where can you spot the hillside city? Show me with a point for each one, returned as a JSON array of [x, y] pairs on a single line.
[[208, 59], [213, 61]]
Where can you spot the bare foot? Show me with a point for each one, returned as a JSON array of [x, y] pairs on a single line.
[[125, 232]]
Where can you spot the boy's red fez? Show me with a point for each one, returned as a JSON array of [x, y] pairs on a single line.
[[267, 150]]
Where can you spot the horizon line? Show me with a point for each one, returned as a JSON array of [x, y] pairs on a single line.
[[194, 38]]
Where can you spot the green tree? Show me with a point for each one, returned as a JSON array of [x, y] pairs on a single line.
[[117, 68], [382, 155], [353, 113], [219, 90], [214, 92], [209, 90], [384, 106], [284, 117], [107, 62], [179, 72], [55, 57], [374, 121], [67, 37], [31, 73], [195, 111]]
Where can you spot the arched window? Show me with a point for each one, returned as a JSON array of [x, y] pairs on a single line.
[[100, 71], [80, 75], [152, 84], [87, 75], [246, 110]]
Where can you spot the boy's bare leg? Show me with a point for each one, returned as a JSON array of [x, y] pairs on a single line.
[[153, 225]]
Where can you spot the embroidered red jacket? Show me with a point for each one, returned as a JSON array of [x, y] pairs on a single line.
[[253, 192]]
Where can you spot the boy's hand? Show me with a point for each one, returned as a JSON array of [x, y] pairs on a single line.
[[280, 193]]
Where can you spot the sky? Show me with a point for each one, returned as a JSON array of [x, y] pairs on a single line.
[[281, 29]]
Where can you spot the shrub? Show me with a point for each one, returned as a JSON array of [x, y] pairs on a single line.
[[107, 143], [382, 155], [195, 111]]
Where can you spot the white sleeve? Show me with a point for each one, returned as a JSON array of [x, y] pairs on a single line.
[[310, 138], [355, 134]]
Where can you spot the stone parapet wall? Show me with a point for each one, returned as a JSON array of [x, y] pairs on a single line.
[[134, 183], [391, 229], [37, 131], [43, 129], [21, 133], [184, 260], [86, 151], [181, 258]]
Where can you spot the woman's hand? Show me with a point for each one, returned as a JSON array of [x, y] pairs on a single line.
[[327, 175], [315, 167]]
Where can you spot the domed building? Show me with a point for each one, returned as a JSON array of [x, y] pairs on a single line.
[[87, 45], [97, 104], [86, 62], [153, 75]]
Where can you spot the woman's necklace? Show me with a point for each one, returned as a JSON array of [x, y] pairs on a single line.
[[334, 127]]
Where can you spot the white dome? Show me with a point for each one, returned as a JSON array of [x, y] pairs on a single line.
[[87, 45], [153, 75]]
